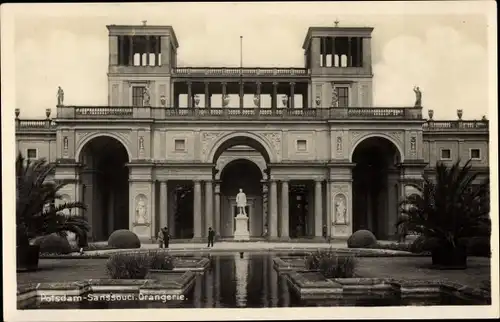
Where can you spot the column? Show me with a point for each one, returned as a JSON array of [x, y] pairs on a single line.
[[224, 91], [323, 51], [197, 210], [304, 99], [217, 281], [359, 62], [265, 195], [207, 95], [209, 206], [284, 232], [349, 54], [333, 52], [291, 101], [274, 98], [131, 51], [121, 44], [148, 49], [258, 93], [242, 94], [315, 52], [217, 211], [273, 211], [190, 94], [163, 204], [366, 52], [157, 51], [318, 209]]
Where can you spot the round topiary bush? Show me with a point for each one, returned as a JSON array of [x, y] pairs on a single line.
[[53, 244], [124, 239], [361, 239]]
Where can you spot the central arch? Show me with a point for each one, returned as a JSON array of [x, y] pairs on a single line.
[[105, 188], [243, 139], [375, 185]]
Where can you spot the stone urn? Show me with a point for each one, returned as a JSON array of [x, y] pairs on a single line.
[[460, 113], [17, 111], [318, 101], [256, 100], [196, 100], [284, 100], [431, 114], [225, 101], [163, 100], [47, 112]]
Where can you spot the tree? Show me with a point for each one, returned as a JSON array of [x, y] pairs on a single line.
[[448, 210], [36, 212]]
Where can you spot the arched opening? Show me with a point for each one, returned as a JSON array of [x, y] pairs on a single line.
[[246, 175], [241, 162], [105, 187], [375, 178]]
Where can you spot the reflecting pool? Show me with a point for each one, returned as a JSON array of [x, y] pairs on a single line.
[[239, 280]]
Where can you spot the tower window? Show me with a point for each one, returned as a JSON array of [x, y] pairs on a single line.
[[180, 145], [31, 154], [138, 96], [302, 145], [475, 154], [343, 93], [445, 154]]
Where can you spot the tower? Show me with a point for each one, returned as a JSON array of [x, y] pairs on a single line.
[[339, 60], [141, 57]]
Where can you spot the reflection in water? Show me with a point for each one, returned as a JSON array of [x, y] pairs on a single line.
[[250, 282]]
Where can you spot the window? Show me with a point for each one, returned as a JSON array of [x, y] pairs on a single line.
[[475, 154], [343, 93], [301, 145], [445, 154], [180, 145], [31, 154], [138, 95]]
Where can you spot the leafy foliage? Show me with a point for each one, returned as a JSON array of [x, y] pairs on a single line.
[[451, 208], [53, 244], [128, 266], [161, 260], [33, 193], [331, 264]]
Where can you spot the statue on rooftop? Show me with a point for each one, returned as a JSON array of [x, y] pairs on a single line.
[[60, 96], [418, 96]]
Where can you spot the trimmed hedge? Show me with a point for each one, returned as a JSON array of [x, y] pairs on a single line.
[[53, 244], [331, 264], [128, 266], [361, 239], [124, 239]]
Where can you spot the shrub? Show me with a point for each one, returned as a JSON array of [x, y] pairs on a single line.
[[423, 244], [330, 264], [53, 244], [479, 246], [361, 239], [161, 260], [128, 266], [124, 239]]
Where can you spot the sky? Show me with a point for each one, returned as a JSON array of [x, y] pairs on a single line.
[[446, 55]]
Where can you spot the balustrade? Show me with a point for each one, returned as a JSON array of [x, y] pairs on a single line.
[[228, 71], [456, 125]]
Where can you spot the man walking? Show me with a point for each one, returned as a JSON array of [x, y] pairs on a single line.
[[166, 236], [211, 236]]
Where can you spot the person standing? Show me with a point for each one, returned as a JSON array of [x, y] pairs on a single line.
[[211, 235], [166, 236], [160, 238], [325, 233]]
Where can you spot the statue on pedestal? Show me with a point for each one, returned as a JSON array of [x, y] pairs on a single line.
[[60, 96], [340, 211], [418, 96], [241, 202]]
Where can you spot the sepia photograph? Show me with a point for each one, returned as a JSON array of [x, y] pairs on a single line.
[[277, 160]]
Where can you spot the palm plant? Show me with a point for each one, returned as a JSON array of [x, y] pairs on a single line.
[[33, 193], [448, 210]]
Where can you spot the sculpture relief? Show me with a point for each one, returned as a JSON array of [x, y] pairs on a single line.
[[206, 140], [65, 143], [141, 211], [340, 209], [339, 143], [141, 143], [335, 96], [413, 144], [275, 139], [147, 97]]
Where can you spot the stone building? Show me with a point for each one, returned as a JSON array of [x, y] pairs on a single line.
[[310, 151]]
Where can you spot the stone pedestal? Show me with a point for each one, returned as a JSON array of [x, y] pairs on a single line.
[[241, 232]]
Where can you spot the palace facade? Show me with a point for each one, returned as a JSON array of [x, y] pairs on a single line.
[[175, 144]]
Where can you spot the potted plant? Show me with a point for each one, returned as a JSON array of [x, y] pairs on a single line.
[[33, 217], [449, 210]]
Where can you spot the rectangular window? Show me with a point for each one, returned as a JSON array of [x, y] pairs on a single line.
[[138, 96], [343, 96], [301, 145], [445, 154], [31, 154], [180, 145], [475, 154]]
